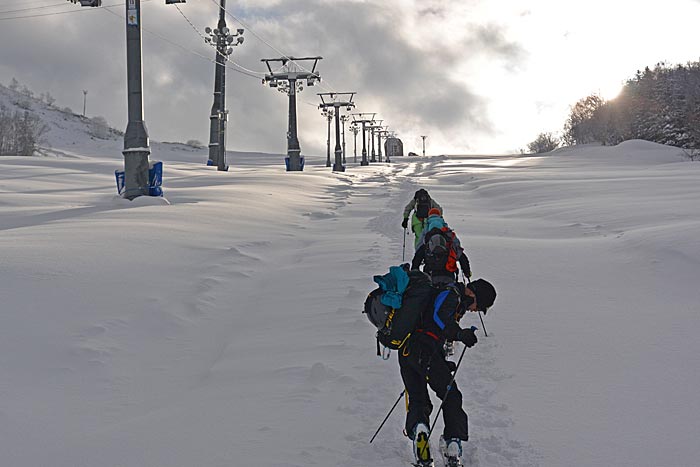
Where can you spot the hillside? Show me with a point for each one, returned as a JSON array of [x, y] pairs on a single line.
[[223, 327]]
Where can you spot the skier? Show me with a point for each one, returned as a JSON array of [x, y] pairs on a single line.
[[440, 250], [420, 205], [423, 362]]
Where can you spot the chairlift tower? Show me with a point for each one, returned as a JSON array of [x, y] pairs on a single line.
[[136, 145], [376, 124], [289, 81], [363, 119], [336, 100], [224, 41], [423, 144]]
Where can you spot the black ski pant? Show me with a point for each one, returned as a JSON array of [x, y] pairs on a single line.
[[422, 362]]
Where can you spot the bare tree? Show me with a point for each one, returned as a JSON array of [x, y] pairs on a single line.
[[545, 142]]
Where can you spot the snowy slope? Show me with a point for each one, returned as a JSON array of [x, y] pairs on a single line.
[[223, 327]]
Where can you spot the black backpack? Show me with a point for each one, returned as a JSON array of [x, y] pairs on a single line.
[[440, 252], [422, 204], [395, 325]]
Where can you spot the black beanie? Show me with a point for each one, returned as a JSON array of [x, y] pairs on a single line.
[[485, 293]]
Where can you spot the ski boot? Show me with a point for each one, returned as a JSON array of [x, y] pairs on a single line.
[[421, 446], [451, 451]]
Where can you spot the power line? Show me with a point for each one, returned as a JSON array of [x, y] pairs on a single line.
[[165, 39], [283, 55], [66, 12], [34, 8], [228, 58]]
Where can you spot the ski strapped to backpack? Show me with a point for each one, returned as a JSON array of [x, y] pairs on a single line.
[[395, 307]]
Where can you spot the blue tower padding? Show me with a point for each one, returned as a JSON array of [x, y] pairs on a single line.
[[210, 162], [301, 162], [119, 175], [155, 179]]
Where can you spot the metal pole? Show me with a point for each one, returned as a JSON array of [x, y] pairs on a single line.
[[387, 415], [343, 121], [216, 140], [293, 149], [371, 135], [379, 143], [364, 146], [84, 101], [386, 138], [136, 146], [449, 387], [221, 48], [338, 166], [328, 138], [354, 157]]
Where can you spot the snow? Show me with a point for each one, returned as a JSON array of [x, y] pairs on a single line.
[[222, 325]]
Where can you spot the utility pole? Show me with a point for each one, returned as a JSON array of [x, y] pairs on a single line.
[[355, 130], [222, 39], [84, 101], [344, 119], [328, 115], [423, 144], [136, 145], [336, 100], [289, 81]]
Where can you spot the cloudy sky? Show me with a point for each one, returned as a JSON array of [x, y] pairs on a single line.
[[474, 76]]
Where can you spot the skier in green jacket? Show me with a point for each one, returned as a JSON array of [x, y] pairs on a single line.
[[420, 205]]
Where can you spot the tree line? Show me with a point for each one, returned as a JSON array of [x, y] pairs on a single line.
[[660, 104]]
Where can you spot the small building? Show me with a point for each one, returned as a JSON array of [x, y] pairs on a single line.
[[393, 147]]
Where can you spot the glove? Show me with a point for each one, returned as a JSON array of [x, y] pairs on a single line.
[[467, 337], [468, 273], [451, 365], [404, 224]]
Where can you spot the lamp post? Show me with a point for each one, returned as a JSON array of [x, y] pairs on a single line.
[[355, 130], [344, 119]]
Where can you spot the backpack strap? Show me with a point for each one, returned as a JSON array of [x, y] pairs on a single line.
[[440, 299]]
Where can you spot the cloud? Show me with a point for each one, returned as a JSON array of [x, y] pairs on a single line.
[[381, 50]]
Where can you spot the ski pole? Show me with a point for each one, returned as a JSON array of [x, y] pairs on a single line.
[[482, 319], [449, 387], [403, 254], [387, 416]]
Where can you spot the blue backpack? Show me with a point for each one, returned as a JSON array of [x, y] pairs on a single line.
[[396, 306]]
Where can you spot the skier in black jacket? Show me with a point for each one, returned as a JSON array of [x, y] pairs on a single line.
[[423, 362]]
